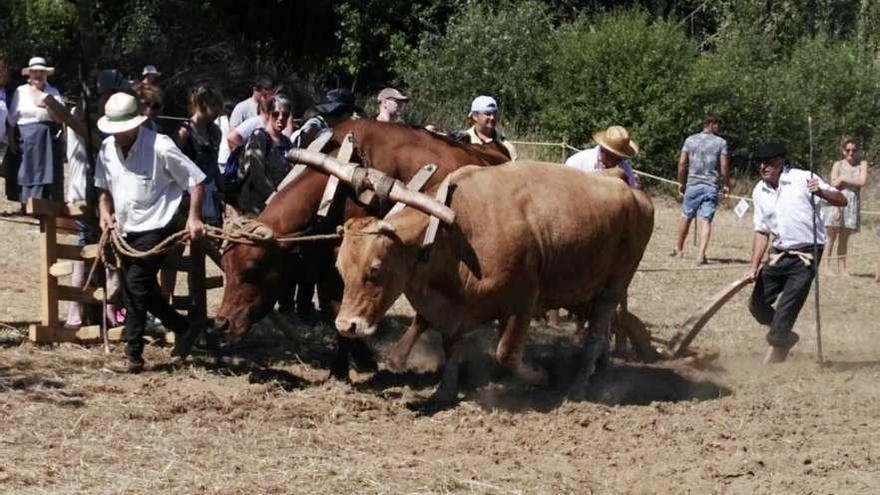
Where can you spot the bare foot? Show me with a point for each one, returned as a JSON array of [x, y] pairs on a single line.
[[676, 254], [702, 261]]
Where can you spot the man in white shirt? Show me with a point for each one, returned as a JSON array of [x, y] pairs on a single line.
[[784, 207], [245, 109], [142, 177], [613, 148]]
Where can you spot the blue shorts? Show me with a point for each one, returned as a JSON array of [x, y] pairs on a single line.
[[700, 200]]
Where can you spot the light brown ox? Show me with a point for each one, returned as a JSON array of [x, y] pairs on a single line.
[[527, 235]]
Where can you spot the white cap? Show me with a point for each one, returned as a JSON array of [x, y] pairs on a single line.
[[484, 104], [150, 69]]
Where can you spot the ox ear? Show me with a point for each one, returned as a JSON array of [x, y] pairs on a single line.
[[383, 227]]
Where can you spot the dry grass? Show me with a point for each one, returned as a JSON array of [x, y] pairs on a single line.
[[267, 422]]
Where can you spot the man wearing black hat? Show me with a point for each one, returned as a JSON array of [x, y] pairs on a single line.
[[784, 208], [340, 106]]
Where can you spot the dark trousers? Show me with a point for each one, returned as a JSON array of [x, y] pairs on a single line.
[[786, 283], [141, 293]]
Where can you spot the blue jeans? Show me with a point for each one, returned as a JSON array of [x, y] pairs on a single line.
[[700, 200]]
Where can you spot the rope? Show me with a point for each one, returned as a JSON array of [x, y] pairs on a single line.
[[651, 176], [240, 230], [740, 265]]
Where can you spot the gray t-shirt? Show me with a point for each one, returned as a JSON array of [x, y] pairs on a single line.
[[243, 111], [704, 153]]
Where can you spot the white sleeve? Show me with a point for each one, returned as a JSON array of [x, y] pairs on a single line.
[[101, 179], [824, 185], [246, 129], [185, 173], [759, 217]]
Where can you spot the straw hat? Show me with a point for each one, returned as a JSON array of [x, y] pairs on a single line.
[[37, 63], [120, 114], [616, 140]]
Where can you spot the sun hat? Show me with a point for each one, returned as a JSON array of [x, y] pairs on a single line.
[[616, 140], [484, 104], [339, 99], [150, 70], [37, 63], [767, 151], [391, 93], [120, 114]]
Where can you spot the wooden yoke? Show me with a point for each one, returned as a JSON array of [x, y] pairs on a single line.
[[396, 192]]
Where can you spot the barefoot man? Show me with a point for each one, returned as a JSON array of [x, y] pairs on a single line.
[[783, 208]]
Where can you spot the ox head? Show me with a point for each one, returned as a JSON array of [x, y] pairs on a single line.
[[375, 267], [255, 275]]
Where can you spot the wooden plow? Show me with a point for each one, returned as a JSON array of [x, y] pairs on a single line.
[[650, 349]]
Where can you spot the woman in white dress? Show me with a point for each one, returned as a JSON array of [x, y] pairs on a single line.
[[849, 175]]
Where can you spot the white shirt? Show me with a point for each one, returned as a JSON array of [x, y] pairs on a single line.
[[223, 153], [588, 161], [786, 213], [247, 128], [3, 113], [24, 110], [78, 162], [146, 185]]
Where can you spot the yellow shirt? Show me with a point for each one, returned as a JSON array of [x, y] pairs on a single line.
[[475, 139]]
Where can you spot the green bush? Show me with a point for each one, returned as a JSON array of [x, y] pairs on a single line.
[[501, 53], [762, 95], [622, 69]]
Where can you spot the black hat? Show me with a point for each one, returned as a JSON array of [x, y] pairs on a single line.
[[338, 100], [768, 151]]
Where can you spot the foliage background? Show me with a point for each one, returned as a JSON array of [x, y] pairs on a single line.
[[561, 69]]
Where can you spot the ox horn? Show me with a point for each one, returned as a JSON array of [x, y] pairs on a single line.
[[398, 192]]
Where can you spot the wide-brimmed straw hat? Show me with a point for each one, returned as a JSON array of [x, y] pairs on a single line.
[[37, 63], [120, 114], [616, 140]]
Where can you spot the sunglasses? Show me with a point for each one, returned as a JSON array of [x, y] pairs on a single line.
[[850, 150], [277, 114]]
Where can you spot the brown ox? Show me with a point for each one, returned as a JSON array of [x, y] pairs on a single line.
[[527, 235], [255, 275]]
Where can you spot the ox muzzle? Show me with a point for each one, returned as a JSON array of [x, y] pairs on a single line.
[[354, 327]]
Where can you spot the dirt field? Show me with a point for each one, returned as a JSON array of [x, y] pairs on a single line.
[[266, 421]]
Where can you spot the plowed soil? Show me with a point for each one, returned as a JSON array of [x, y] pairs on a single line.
[[266, 420]]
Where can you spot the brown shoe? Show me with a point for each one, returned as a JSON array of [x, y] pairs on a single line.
[[125, 365]]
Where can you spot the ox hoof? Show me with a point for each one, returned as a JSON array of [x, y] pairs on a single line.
[[362, 358], [339, 372], [444, 396]]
